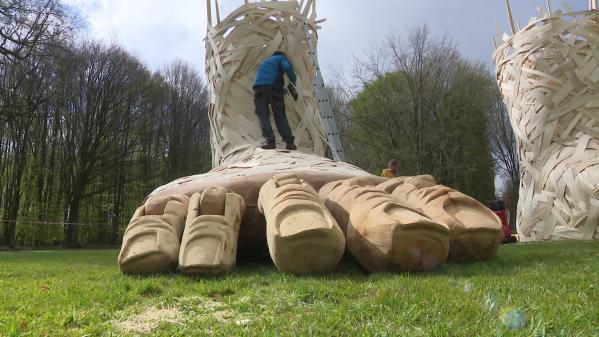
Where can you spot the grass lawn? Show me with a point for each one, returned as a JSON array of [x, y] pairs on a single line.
[[527, 290]]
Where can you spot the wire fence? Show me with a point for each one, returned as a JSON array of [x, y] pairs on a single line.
[[29, 222], [52, 234]]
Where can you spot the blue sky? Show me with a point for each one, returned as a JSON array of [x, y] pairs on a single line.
[[159, 32]]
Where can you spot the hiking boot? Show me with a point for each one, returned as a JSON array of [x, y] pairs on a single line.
[[291, 146], [268, 145]]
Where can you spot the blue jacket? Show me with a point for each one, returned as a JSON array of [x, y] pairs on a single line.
[[270, 72]]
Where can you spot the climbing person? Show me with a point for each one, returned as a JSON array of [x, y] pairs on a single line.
[[392, 169], [269, 90]]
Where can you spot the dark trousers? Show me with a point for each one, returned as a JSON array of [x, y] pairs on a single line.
[[263, 97]]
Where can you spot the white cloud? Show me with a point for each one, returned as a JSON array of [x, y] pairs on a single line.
[[155, 30], [160, 31]]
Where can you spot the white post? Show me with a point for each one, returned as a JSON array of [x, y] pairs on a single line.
[[217, 12]]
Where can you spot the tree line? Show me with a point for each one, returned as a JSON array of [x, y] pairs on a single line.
[[87, 130]]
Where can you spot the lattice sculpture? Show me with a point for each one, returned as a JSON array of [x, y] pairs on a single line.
[[234, 49], [304, 234], [548, 74]]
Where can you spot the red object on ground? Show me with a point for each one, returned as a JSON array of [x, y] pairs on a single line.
[[504, 216], [501, 208]]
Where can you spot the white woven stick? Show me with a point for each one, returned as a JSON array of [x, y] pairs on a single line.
[[510, 17], [217, 11], [209, 11]]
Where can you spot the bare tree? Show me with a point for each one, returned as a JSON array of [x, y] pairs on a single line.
[[505, 152], [101, 87], [24, 89], [424, 104], [503, 142], [186, 120], [28, 25], [427, 67]]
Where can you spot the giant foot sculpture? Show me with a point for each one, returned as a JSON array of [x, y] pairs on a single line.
[[408, 229], [382, 232]]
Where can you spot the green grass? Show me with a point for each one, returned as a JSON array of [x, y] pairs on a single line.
[[74, 293]]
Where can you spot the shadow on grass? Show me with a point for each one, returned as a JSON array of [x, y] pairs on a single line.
[[510, 260]]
